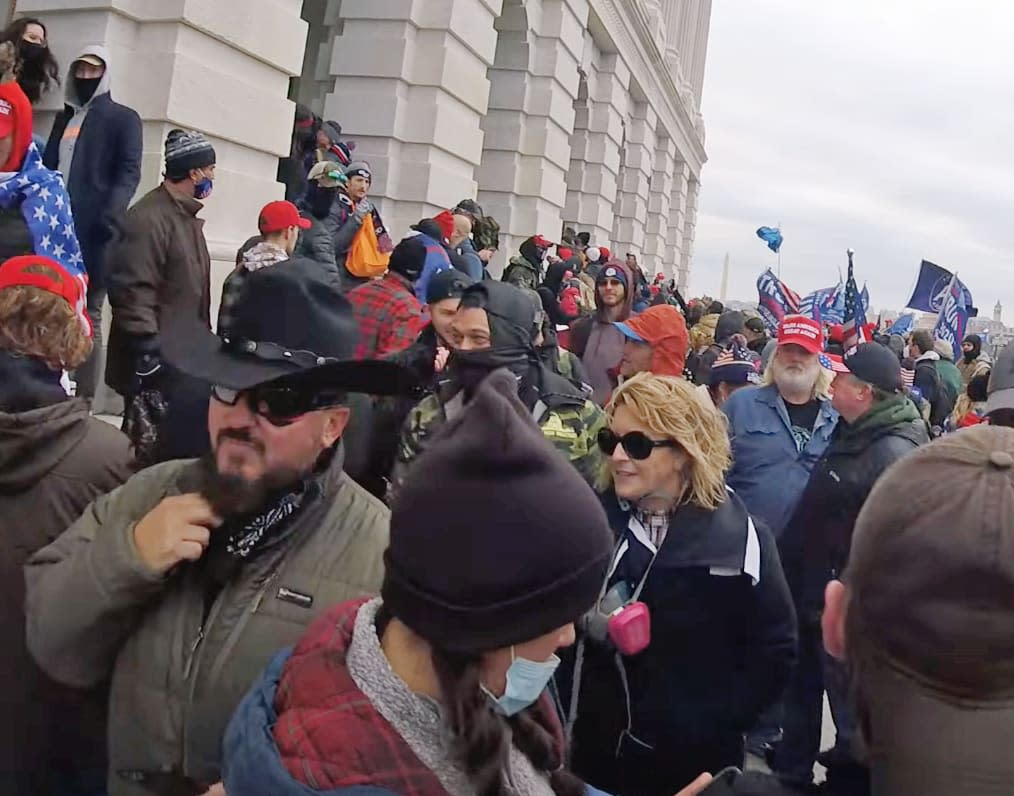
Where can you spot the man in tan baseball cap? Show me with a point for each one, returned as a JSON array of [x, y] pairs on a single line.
[[925, 617]]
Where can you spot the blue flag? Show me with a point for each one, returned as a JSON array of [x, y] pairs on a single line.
[[772, 236], [902, 325], [865, 296], [817, 304], [775, 300], [932, 287], [953, 318]]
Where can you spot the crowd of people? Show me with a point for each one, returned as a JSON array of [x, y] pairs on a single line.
[[395, 526]]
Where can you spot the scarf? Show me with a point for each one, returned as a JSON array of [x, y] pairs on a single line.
[[246, 539], [384, 242], [263, 255], [44, 203]]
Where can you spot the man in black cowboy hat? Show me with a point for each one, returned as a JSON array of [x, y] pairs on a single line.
[[181, 584]]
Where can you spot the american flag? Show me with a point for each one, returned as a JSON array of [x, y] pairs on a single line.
[[855, 312], [43, 200]]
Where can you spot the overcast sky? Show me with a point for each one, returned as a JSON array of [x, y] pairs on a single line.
[[882, 125]]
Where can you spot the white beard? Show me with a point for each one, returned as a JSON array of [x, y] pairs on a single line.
[[795, 379]]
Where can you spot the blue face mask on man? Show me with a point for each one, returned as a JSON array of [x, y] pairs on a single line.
[[526, 680], [202, 189]]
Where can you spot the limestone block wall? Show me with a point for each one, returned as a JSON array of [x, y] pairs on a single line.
[[198, 65]]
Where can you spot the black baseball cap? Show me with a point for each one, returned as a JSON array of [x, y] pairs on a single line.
[[873, 363], [755, 325]]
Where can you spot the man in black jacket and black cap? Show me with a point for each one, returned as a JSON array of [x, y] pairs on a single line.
[[879, 425]]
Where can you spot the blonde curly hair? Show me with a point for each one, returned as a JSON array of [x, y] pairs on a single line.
[[674, 408]]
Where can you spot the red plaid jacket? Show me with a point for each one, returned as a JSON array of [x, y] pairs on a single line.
[[328, 733], [389, 316]]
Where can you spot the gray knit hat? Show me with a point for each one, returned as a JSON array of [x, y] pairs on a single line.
[[186, 150], [359, 168]]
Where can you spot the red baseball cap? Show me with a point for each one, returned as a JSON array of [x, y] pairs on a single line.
[[445, 220], [276, 216], [802, 331], [25, 271]]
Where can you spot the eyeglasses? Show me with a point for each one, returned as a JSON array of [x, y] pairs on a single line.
[[279, 405], [637, 444]]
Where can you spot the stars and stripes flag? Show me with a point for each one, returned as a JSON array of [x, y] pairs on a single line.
[[44, 203], [855, 312]]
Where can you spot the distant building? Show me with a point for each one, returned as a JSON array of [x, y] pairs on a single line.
[[998, 313]]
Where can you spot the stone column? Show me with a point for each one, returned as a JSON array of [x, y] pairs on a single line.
[[700, 51], [693, 191], [595, 148], [526, 153], [659, 202], [632, 201], [411, 91], [678, 219]]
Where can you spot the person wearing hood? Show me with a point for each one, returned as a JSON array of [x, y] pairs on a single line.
[[525, 270], [552, 287], [656, 342], [730, 322], [493, 329], [96, 144], [974, 362], [595, 338], [54, 460], [879, 425], [559, 360]]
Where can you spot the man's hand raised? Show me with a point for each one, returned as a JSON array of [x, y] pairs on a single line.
[[177, 529]]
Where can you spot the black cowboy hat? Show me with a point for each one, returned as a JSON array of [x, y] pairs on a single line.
[[285, 321]]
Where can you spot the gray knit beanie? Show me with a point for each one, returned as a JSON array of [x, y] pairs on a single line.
[[186, 150]]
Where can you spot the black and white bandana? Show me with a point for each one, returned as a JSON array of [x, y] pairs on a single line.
[[245, 540]]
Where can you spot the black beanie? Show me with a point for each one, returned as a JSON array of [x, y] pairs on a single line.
[[186, 150], [408, 258], [447, 284], [495, 538]]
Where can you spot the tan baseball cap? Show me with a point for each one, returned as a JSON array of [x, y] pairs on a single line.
[[931, 616]]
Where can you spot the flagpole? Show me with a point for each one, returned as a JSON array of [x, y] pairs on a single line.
[[780, 254]]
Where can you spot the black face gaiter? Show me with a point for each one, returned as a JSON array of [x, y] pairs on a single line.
[[32, 53], [85, 88], [511, 317], [320, 201]]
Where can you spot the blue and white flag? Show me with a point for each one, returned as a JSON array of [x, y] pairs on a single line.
[[953, 319], [902, 325], [42, 198], [865, 296], [932, 288], [817, 304], [775, 300], [772, 236]]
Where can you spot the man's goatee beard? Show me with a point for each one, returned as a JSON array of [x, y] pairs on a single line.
[[233, 495]]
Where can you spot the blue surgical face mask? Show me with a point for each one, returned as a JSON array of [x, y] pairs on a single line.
[[526, 680], [202, 189]]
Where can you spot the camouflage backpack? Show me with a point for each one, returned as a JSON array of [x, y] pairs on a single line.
[[486, 233]]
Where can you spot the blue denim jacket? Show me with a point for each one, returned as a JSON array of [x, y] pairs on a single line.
[[768, 472]]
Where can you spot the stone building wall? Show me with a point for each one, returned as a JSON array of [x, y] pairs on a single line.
[[583, 113]]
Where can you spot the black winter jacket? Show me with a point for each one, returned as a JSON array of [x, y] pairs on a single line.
[[723, 641], [816, 542]]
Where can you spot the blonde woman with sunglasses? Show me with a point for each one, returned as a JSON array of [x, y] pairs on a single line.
[[723, 630]]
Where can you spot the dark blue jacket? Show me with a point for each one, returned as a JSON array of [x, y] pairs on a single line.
[[723, 641], [104, 176], [252, 765]]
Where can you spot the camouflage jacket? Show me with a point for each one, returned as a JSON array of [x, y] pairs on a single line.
[[571, 423], [521, 273], [486, 233]]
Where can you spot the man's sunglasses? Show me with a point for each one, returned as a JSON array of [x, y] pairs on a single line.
[[279, 405], [637, 444]]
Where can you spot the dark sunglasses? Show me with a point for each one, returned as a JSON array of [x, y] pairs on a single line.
[[279, 405], [637, 444]]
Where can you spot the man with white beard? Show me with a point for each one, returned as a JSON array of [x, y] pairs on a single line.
[[780, 430]]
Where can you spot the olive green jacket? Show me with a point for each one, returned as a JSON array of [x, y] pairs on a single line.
[[94, 610]]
